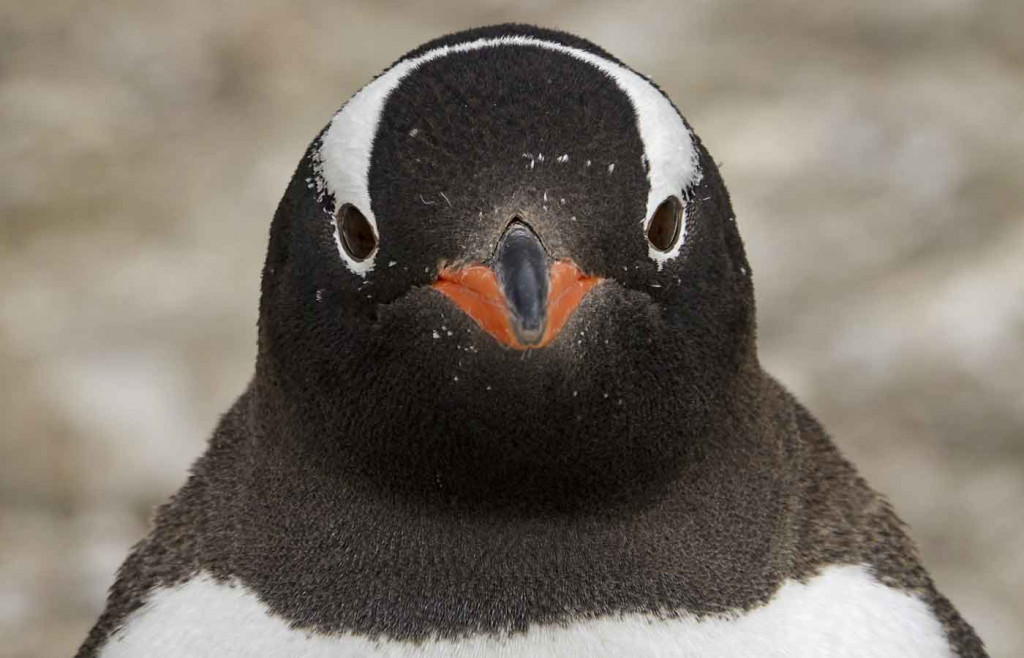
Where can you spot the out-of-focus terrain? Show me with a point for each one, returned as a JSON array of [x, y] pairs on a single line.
[[874, 151]]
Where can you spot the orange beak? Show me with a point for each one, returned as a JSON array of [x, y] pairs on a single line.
[[478, 293]]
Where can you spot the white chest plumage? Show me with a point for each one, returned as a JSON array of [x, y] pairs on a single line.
[[843, 612]]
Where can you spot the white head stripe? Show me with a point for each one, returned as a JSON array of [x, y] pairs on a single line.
[[343, 162]]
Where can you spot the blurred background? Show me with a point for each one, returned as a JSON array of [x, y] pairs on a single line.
[[874, 152]]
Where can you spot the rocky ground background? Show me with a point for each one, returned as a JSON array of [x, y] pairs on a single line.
[[874, 151]]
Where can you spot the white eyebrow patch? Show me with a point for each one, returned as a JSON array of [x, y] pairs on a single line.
[[342, 164]]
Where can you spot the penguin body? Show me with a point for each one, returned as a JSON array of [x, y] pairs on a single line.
[[507, 402]]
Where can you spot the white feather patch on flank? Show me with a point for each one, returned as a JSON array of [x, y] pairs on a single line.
[[343, 161], [844, 612]]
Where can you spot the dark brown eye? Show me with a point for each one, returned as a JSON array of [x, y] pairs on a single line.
[[664, 229], [357, 236]]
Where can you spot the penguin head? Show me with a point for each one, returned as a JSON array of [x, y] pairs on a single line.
[[506, 260]]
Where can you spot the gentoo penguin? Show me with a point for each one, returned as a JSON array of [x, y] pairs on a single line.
[[507, 402]]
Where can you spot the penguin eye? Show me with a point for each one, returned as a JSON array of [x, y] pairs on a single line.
[[357, 236], [663, 231]]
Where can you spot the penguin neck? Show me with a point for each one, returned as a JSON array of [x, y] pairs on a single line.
[[454, 461]]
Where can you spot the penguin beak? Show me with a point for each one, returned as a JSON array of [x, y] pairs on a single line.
[[520, 300]]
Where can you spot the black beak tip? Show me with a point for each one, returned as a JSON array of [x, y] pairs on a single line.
[[528, 336]]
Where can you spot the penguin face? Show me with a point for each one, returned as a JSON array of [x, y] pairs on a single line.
[[507, 213]]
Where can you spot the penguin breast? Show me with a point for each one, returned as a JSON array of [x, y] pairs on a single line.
[[843, 612]]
